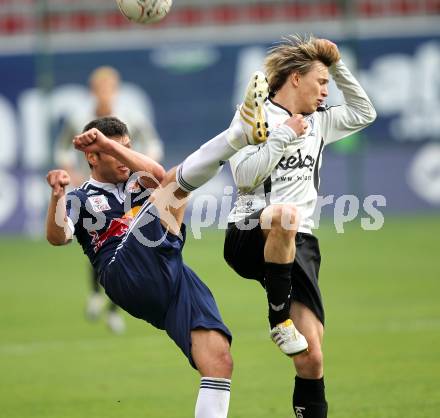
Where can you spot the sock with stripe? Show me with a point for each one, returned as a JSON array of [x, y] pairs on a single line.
[[207, 161], [213, 399], [309, 398], [278, 284]]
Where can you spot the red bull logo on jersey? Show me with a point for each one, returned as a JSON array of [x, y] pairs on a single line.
[[118, 227]]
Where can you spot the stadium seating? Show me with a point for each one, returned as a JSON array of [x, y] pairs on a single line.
[[27, 17]]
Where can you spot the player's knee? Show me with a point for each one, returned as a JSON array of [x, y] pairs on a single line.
[[281, 219], [215, 360], [220, 363], [310, 365], [225, 362]]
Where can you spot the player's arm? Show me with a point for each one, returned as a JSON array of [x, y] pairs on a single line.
[[94, 140], [355, 114], [58, 231], [252, 165]]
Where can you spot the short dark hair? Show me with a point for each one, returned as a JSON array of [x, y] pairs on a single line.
[[109, 126]]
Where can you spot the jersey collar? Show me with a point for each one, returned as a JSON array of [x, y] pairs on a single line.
[[116, 189], [106, 186], [277, 108]]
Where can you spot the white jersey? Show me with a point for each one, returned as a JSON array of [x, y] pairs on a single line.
[[283, 170]]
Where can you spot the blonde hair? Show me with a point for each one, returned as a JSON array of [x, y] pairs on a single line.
[[102, 73], [296, 54]]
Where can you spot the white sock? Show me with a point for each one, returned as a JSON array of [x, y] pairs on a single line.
[[213, 399], [205, 163]]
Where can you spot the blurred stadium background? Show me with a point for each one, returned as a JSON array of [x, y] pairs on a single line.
[[188, 72]]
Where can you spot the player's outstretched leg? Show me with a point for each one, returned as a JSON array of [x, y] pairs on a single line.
[[249, 127]]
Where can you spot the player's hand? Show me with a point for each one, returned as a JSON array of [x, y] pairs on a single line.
[[334, 50], [297, 123], [76, 177], [92, 140], [58, 180]]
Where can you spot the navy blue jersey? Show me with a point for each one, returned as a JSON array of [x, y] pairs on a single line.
[[99, 215], [150, 282]]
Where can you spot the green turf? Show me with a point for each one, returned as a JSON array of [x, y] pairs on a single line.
[[382, 347]]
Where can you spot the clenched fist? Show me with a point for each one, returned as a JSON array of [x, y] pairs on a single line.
[[297, 124], [331, 50], [58, 180], [92, 140]]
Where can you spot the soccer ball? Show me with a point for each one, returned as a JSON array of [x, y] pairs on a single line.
[[144, 11]]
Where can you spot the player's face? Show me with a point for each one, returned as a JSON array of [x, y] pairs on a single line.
[[105, 89], [313, 88], [108, 169]]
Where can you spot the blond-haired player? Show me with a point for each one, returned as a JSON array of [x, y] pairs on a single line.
[[269, 237]]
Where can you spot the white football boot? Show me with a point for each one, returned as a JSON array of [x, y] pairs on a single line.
[[249, 126], [288, 339], [252, 110]]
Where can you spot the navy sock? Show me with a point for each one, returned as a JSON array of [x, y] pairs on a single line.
[[309, 398]]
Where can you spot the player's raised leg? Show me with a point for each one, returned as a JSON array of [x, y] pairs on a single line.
[[170, 201], [248, 127]]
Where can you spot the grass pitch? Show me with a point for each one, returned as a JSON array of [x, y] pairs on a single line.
[[382, 345]]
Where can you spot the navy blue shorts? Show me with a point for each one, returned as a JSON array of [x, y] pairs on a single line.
[[148, 278]]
